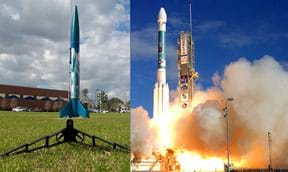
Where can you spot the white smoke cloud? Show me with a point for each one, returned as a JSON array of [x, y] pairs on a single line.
[[260, 106], [259, 92], [142, 133]]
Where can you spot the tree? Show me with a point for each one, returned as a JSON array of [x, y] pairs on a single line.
[[127, 104], [114, 104], [102, 101], [84, 93], [85, 98]]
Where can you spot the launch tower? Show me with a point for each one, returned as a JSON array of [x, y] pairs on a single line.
[[186, 67]]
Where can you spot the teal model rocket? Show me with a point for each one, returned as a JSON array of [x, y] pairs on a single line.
[[74, 108]]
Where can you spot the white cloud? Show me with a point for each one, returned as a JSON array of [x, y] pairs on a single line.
[[208, 26], [15, 16], [237, 37]]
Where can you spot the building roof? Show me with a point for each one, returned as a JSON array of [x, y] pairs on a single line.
[[12, 89]]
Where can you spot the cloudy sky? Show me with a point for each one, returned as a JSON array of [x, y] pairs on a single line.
[[34, 44], [223, 32]]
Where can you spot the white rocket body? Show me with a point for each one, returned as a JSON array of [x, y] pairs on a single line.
[[161, 90]]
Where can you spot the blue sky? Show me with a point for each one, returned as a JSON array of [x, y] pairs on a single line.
[[223, 31]]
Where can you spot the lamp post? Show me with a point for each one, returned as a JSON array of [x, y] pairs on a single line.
[[225, 110], [99, 98]]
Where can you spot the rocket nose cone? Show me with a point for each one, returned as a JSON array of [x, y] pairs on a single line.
[[75, 21], [75, 35], [162, 17], [75, 11]]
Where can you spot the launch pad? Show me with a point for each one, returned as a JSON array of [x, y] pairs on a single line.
[[159, 162], [65, 135]]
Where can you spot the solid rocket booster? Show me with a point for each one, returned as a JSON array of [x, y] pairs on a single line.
[[161, 90], [74, 108]]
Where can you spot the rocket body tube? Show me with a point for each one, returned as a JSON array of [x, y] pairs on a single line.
[[74, 74], [161, 89], [161, 71], [74, 56]]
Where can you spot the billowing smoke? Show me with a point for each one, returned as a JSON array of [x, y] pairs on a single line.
[[143, 135], [260, 105]]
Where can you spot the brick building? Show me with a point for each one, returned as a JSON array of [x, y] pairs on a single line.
[[38, 99]]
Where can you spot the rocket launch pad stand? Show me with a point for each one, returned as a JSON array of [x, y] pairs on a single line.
[[66, 135]]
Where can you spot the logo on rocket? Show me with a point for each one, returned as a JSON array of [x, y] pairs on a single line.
[[162, 20], [74, 108]]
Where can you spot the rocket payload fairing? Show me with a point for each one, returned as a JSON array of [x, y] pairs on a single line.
[[74, 108], [161, 89], [186, 67]]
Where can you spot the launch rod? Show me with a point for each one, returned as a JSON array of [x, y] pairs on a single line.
[[190, 18], [69, 88], [191, 51]]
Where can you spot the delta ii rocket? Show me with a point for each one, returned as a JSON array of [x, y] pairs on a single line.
[[186, 67], [161, 90], [74, 108]]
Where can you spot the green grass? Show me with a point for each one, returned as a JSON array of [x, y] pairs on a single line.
[[17, 128]]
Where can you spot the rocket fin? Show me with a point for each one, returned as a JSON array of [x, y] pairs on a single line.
[[66, 110], [82, 111], [74, 108]]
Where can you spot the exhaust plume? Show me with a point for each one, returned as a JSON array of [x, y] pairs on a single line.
[[260, 105]]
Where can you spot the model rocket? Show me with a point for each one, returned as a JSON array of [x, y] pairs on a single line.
[[161, 90], [74, 108], [186, 67]]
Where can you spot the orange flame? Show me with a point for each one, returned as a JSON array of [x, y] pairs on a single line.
[[189, 161]]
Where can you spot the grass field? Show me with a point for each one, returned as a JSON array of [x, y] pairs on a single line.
[[17, 128]]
